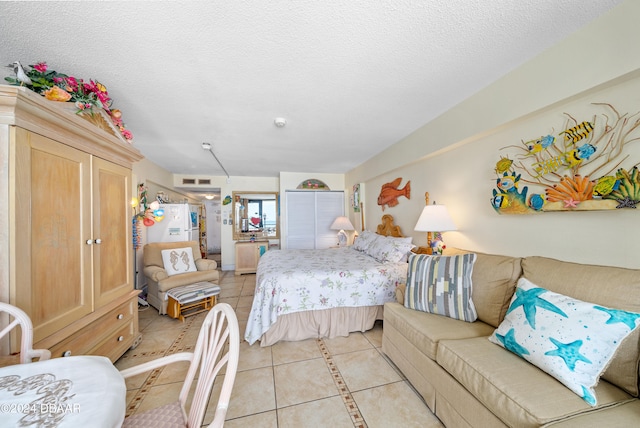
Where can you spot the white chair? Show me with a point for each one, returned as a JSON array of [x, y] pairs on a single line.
[[27, 353], [220, 328]]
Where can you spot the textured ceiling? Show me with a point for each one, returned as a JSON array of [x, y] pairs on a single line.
[[350, 77]]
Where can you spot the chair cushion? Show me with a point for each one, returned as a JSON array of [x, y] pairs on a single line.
[[152, 255], [187, 278], [167, 416], [191, 293]]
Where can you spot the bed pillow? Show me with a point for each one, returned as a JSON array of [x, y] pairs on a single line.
[[441, 285], [388, 249], [572, 340], [365, 239], [178, 260]]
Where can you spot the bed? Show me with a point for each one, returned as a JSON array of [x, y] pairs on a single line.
[[302, 294]]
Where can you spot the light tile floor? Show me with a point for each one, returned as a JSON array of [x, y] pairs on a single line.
[[341, 382]]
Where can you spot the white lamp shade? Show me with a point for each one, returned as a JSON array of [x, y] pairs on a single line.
[[435, 218], [341, 223]]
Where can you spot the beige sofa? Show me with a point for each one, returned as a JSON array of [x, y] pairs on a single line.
[[160, 282], [470, 382]]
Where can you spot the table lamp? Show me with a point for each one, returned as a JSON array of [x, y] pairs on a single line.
[[434, 219], [342, 223]]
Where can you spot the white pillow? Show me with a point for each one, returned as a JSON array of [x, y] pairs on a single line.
[[572, 340], [387, 249], [178, 260], [364, 240]]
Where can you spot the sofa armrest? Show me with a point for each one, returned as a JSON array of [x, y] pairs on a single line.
[[155, 273], [400, 289], [206, 264]]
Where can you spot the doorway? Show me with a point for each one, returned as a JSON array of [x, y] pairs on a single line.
[[213, 227]]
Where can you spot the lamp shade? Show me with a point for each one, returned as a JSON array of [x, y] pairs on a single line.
[[435, 218], [341, 223]]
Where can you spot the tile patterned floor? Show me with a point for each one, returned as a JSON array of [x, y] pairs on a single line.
[[341, 382]]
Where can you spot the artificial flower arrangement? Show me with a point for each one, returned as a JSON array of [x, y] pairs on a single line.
[[55, 86]]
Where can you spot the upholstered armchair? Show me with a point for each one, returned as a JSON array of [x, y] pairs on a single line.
[[160, 281]]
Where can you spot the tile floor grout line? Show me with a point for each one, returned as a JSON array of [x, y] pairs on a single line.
[[148, 383], [345, 394]]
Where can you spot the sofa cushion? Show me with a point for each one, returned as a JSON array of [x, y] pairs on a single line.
[[494, 281], [425, 330], [570, 339], [441, 285], [604, 285], [519, 393]]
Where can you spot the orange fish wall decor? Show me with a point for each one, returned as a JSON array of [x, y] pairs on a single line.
[[389, 193]]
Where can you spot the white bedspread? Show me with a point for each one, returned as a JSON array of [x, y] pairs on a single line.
[[290, 281]]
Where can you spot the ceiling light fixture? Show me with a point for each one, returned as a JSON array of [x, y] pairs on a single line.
[[280, 122], [209, 197], [207, 146]]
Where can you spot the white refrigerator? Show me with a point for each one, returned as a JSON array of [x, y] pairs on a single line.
[[180, 223]]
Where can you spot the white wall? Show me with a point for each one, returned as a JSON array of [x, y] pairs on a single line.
[[457, 151]]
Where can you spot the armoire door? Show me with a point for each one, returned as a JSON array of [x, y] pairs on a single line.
[[112, 238], [52, 226]]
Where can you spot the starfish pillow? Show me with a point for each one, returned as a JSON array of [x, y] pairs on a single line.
[[570, 339]]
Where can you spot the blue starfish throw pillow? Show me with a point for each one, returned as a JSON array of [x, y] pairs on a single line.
[[570, 339]]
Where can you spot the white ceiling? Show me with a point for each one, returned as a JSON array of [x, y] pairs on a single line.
[[350, 77]]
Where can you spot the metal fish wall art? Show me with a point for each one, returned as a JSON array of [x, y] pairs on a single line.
[[389, 193]]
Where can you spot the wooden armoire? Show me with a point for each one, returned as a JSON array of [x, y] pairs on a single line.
[[66, 252]]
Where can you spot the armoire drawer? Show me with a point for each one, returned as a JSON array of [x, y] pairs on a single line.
[[117, 343], [90, 337]]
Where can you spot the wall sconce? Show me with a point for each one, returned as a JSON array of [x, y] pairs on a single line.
[[434, 219], [342, 223]]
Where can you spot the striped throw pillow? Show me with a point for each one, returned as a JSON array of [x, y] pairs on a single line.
[[441, 285]]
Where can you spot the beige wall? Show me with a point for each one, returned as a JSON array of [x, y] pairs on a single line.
[[457, 151]]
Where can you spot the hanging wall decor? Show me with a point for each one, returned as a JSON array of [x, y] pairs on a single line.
[[355, 198], [390, 192], [313, 184], [583, 167]]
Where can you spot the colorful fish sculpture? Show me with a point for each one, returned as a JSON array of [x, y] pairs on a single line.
[[389, 193], [542, 143], [503, 165], [226, 200], [578, 132]]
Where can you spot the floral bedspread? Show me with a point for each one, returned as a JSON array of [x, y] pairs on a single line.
[[290, 281]]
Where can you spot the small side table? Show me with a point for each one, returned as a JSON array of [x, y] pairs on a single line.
[[191, 299]]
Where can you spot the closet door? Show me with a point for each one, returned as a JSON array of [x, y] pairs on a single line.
[[301, 222], [329, 205], [309, 218]]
